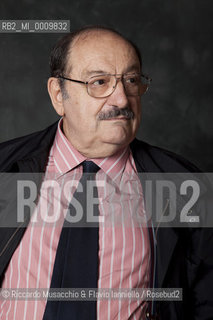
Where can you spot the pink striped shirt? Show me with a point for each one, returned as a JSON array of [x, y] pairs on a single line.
[[124, 247]]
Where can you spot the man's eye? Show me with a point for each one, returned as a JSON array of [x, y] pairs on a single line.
[[99, 82], [131, 80]]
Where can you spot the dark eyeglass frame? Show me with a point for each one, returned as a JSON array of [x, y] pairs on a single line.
[[116, 77]]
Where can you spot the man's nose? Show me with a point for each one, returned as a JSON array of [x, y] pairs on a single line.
[[119, 97]]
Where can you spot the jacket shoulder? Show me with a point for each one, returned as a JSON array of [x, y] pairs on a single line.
[[155, 159], [20, 148]]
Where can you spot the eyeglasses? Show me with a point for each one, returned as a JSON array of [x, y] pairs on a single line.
[[103, 85]]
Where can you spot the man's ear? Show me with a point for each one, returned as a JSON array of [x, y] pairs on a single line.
[[55, 93]]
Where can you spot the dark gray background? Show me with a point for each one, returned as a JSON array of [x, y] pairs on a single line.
[[175, 37]]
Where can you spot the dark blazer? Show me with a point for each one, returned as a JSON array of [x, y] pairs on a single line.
[[184, 255]]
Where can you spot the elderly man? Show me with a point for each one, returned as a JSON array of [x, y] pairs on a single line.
[[96, 86]]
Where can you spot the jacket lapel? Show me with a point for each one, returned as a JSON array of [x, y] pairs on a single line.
[[166, 238], [31, 166]]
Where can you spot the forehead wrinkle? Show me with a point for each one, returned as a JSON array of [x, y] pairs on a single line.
[[100, 67], [93, 72], [133, 67], [108, 67], [107, 58], [129, 55]]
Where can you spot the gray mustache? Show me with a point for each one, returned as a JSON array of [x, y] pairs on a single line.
[[116, 112]]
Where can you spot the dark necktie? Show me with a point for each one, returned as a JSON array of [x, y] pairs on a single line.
[[76, 262]]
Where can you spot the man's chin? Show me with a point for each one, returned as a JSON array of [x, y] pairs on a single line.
[[119, 135], [118, 141]]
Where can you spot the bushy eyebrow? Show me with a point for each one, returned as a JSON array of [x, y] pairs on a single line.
[[90, 73], [133, 67], [94, 72]]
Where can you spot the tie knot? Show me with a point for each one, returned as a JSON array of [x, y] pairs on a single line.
[[90, 167]]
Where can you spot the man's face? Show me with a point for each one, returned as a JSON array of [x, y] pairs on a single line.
[[90, 134]]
